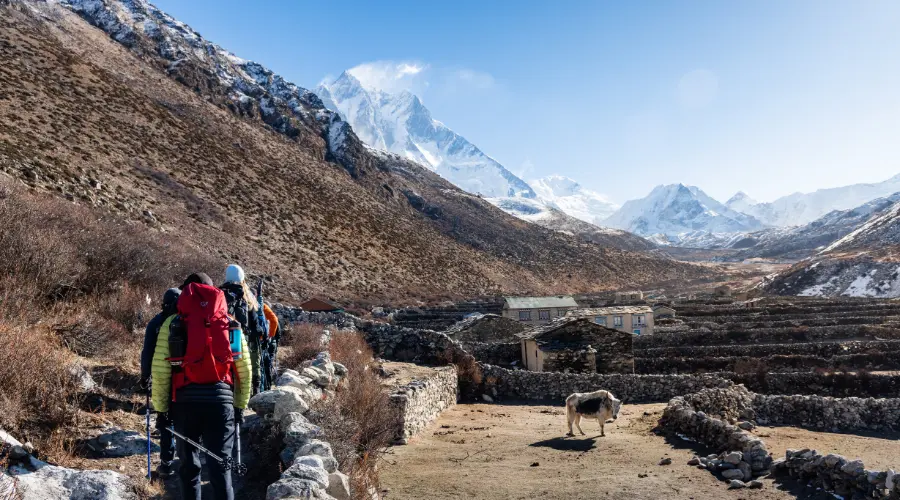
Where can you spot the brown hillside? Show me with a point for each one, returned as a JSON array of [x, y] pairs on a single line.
[[87, 118]]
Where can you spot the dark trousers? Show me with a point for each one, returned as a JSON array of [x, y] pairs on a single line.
[[166, 446], [212, 425]]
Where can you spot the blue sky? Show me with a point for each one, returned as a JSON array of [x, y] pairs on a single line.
[[768, 97]]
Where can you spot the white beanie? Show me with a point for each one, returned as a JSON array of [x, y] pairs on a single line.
[[234, 274]]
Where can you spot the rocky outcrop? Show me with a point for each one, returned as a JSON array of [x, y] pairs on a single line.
[[37, 480], [421, 401]]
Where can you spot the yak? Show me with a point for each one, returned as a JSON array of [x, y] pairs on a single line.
[[601, 405]]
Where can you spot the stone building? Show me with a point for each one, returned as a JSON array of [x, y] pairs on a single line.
[[663, 310], [537, 310], [629, 296], [577, 345], [631, 319]]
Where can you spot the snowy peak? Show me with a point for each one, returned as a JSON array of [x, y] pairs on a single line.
[[400, 123], [801, 208], [675, 210], [573, 199]]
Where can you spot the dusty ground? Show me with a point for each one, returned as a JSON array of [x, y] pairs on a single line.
[[877, 452], [519, 452], [396, 374]]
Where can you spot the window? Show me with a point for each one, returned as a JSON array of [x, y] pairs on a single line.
[[637, 331], [524, 315], [638, 320], [544, 315], [560, 313], [617, 321], [600, 320]]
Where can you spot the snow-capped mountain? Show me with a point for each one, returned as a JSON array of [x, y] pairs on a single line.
[[864, 263], [399, 123], [801, 208], [803, 241], [677, 212], [573, 199]]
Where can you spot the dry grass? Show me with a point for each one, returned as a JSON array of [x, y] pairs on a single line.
[[75, 282], [360, 422], [299, 342]]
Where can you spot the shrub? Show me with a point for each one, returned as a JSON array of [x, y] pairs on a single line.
[[299, 342], [360, 422]]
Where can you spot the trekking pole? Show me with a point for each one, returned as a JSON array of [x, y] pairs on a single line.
[[237, 436], [227, 463], [149, 466]]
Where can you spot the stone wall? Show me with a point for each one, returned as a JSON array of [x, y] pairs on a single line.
[[828, 414], [554, 387], [505, 354], [847, 479], [310, 469], [873, 361], [820, 349], [766, 336], [421, 401], [821, 384]]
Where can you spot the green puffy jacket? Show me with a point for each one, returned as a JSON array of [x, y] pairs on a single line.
[[161, 391]]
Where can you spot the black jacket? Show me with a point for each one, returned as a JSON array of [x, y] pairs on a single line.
[[248, 319]]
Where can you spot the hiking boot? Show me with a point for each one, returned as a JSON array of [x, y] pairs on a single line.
[[165, 469]]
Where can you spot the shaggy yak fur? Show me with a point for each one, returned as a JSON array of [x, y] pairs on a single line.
[[601, 405]]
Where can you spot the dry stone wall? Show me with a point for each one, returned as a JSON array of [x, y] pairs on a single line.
[[846, 478], [421, 401], [766, 336], [828, 414], [554, 387]]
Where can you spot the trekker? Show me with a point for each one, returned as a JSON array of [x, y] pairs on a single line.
[[243, 307], [167, 450], [207, 390]]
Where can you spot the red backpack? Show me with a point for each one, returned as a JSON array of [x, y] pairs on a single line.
[[207, 357]]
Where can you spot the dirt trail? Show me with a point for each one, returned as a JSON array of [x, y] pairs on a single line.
[[519, 452]]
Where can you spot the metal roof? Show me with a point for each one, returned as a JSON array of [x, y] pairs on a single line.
[[606, 311], [540, 302]]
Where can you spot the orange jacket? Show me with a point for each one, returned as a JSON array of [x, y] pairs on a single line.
[[272, 319]]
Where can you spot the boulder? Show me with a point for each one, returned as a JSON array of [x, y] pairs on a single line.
[[116, 443], [339, 486], [292, 380], [340, 370], [736, 484], [307, 472], [293, 400], [264, 402], [321, 449], [295, 488], [310, 460], [732, 474], [755, 484], [744, 467], [734, 457], [50, 481], [81, 377]]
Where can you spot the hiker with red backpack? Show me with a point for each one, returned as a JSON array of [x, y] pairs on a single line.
[[202, 383]]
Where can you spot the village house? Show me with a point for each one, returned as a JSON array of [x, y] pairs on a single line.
[[628, 297], [661, 311], [631, 319], [577, 345], [537, 310], [320, 305]]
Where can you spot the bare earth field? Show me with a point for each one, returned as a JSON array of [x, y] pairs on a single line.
[[479, 451]]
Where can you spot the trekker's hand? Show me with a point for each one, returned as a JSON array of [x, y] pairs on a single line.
[[238, 416], [144, 385]]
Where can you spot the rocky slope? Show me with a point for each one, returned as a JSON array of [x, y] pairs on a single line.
[[863, 263], [145, 118], [679, 214], [802, 208], [804, 241]]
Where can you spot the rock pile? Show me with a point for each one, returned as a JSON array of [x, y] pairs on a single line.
[[311, 470], [846, 478], [421, 401], [741, 451]]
